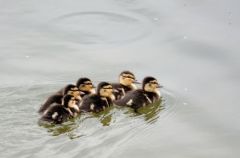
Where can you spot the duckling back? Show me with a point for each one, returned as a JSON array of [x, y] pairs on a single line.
[[56, 114], [119, 90], [56, 98], [137, 98], [94, 103]]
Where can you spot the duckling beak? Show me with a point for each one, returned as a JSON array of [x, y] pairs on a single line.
[[113, 97], [159, 86], [93, 91], [81, 93], [136, 82], [114, 90]]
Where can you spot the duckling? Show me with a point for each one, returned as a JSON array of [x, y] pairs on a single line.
[[57, 98], [85, 86], [126, 83], [141, 97], [98, 102], [59, 113]]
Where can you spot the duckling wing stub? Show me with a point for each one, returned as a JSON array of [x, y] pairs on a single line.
[[133, 99], [89, 103], [118, 90], [56, 114], [51, 100], [60, 91]]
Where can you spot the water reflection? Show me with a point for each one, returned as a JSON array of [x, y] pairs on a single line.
[[105, 117], [87, 122], [56, 129], [150, 113]]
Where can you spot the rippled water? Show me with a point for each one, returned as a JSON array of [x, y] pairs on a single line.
[[190, 46]]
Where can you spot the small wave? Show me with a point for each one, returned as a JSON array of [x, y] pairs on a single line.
[[98, 27], [92, 134]]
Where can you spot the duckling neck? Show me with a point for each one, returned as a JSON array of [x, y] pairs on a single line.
[[133, 86]]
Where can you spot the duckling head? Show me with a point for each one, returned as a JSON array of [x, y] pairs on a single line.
[[67, 88], [150, 84], [69, 101], [73, 91], [127, 78], [85, 84], [105, 89]]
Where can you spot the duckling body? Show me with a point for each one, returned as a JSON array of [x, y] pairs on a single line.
[[59, 113], [56, 114], [94, 103], [137, 98], [120, 90], [141, 97], [98, 102]]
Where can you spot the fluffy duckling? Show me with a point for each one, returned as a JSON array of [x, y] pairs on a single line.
[[98, 102], [126, 83], [59, 113], [142, 97], [85, 86], [57, 98]]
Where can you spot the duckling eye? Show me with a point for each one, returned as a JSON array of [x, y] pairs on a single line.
[[70, 92], [87, 83], [74, 89], [131, 77]]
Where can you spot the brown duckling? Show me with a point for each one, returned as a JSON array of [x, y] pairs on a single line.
[[99, 101], [59, 113], [127, 82], [149, 93]]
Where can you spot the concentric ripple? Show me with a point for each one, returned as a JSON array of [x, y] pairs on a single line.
[[99, 27]]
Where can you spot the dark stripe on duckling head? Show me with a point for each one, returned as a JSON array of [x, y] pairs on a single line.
[[82, 81], [102, 85], [148, 79], [68, 88], [127, 73]]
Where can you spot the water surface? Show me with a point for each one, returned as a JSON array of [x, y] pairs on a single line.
[[191, 47]]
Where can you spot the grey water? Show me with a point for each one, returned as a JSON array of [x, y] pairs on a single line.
[[191, 47]]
